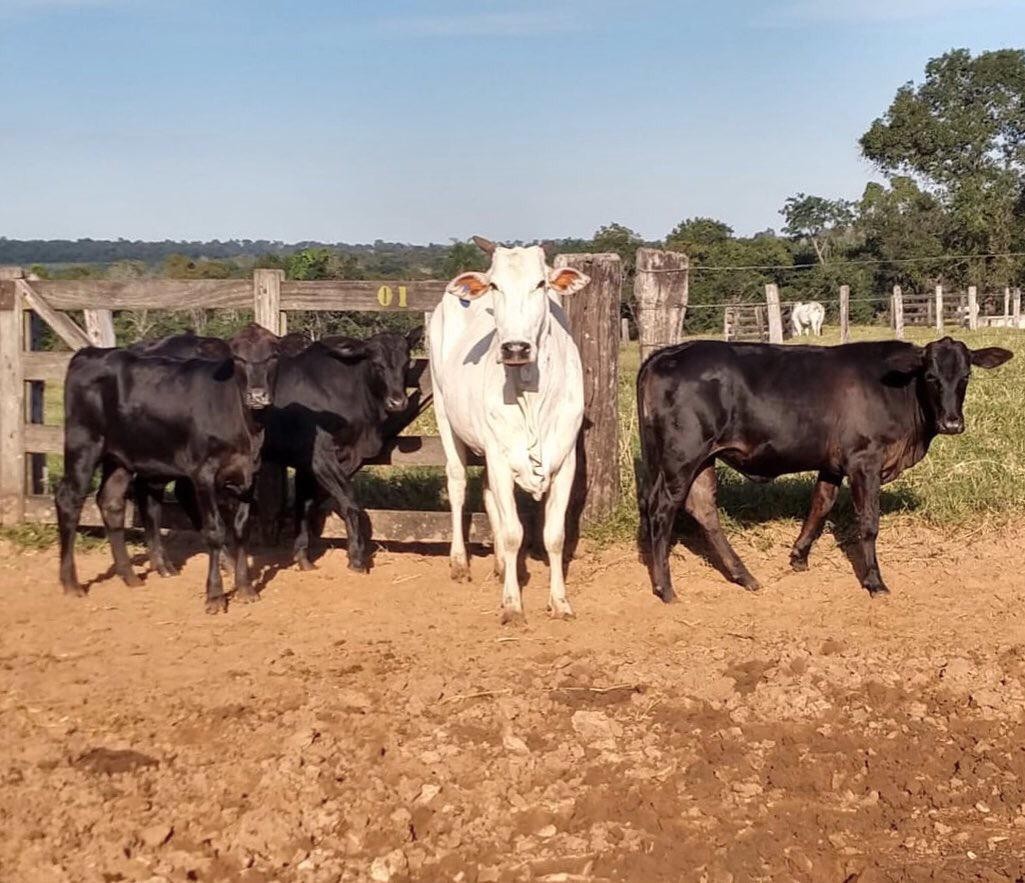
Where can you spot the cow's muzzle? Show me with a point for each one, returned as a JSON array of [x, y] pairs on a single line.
[[951, 426], [516, 352], [257, 399], [394, 404]]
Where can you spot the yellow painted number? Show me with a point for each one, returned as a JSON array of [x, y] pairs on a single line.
[[384, 296]]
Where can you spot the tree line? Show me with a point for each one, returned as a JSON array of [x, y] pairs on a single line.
[[950, 152]]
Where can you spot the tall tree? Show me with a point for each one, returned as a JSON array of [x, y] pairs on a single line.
[[818, 220]]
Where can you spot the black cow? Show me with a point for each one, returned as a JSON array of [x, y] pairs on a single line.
[[149, 491], [867, 411], [164, 418], [335, 405]]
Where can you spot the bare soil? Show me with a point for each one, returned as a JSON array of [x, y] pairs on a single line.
[[386, 727]]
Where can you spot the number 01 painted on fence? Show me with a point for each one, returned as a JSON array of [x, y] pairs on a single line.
[[384, 296]]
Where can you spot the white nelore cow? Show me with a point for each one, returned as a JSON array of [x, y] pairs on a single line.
[[807, 317], [508, 385]]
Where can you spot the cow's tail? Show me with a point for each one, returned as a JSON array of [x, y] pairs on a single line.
[[649, 475]]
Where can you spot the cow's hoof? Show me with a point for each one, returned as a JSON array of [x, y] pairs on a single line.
[[512, 617], [561, 612], [167, 570], [751, 584], [305, 564], [247, 595], [359, 567], [131, 580], [75, 591], [459, 571], [217, 605], [798, 563], [665, 595], [877, 591]]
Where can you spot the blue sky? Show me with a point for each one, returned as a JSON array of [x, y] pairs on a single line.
[[420, 120]]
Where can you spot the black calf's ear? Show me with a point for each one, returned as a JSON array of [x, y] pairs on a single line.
[[990, 356], [225, 370], [415, 337], [907, 360]]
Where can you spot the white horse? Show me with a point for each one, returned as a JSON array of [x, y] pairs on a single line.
[[805, 318]]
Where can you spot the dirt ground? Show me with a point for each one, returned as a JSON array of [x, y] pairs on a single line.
[[386, 727]]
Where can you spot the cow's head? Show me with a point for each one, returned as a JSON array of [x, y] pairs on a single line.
[[520, 282], [387, 358], [943, 368], [254, 357]]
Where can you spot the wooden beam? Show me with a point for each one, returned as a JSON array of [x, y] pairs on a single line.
[[938, 312], [845, 313], [12, 404], [47, 366], [593, 315], [897, 312], [62, 324], [99, 326], [365, 296], [775, 316], [661, 286], [973, 308], [1016, 308], [267, 298], [387, 525], [143, 294]]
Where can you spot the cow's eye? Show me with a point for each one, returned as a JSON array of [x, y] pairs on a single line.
[[492, 286], [540, 284]]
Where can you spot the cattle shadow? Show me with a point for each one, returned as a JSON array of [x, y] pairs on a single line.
[[744, 504]]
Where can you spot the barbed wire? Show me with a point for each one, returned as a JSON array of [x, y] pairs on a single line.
[[702, 268]]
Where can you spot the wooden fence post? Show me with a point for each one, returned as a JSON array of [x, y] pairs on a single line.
[[593, 315], [973, 308], [624, 330], [1007, 304], [939, 308], [775, 316], [1016, 307], [845, 313], [726, 324], [12, 400], [897, 312], [661, 283], [267, 298], [99, 325]]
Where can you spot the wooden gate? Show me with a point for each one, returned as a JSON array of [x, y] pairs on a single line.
[[25, 438]]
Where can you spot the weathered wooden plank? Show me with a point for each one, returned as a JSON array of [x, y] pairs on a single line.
[[387, 525], [973, 308], [371, 296], [897, 312], [406, 450], [42, 439], [51, 367], [267, 298], [938, 313], [141, 294], [62, 324], [593, 315], [12, 408], [99, 325], [845, 313], [660, 289], [774, 315]]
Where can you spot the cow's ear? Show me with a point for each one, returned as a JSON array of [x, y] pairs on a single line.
[[224, 370], [414, 337], [990, 357], [906, 360], [566, 280], [467, 286]]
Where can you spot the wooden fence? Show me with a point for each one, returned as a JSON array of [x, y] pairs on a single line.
[[24, 371]]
